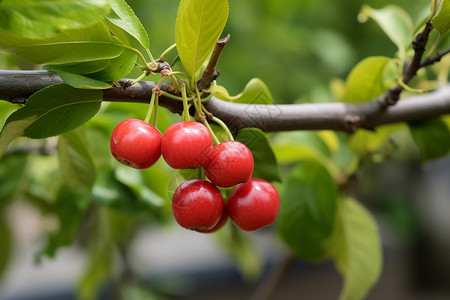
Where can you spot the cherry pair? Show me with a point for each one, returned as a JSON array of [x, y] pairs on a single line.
[[198, 205]]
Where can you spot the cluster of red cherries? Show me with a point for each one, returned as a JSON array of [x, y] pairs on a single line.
[[198, 204]]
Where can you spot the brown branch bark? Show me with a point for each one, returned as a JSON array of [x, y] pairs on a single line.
[[347, 117]]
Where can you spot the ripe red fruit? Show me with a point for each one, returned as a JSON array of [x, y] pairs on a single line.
[[253, 205], [136, 144], [197, 205], [231, 163], [186, 144], [223, 220]]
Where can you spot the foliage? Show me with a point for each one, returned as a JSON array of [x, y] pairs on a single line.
[[92, 44]]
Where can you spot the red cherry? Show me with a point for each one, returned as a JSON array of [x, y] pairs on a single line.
[[223, 220], [186, 144], [231, 163], [197, 205], [136, 144], [253, 205]]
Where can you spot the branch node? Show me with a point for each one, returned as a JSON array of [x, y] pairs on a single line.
[[353, 122]]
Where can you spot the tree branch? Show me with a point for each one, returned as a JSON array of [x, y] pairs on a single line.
[[333, 116]]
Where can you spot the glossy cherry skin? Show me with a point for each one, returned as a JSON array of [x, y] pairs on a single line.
[[253, 205], [197, 205], [186, 144], [231, 163], [222, 221], [136, 144]]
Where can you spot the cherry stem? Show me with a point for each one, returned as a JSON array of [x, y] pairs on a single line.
[[224, 127], [185, 115], [216, 140], [155, 116], [161, 57], [150, 109]]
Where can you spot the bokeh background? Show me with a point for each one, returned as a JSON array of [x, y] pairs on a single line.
[[300, 49]]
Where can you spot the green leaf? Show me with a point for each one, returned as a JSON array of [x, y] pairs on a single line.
[[356, 249], [124, 17], [308, 211], [5, 249], [39, 19], [10, 181], [80, 81], [366, 80], [441, 21], [117, 68], [265, 162], [79, 68], [432, 137], [198, 27], [255, 92], [78, 45], [394, 21], [51, 111], [75, 161]]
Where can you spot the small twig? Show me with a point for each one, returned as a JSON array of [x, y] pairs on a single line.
[[210, 74], [267, 289], [419, 44], [434, 59]]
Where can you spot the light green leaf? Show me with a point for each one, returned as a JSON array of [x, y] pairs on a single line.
[[51, 111], [255, 92], [124, 17], [308, 211], [265, 162], [37, 19], [77, 45], [356, 250], [394, 21], [366, 80], [441, 21], [432, 137], [75, 161], [198, 27]]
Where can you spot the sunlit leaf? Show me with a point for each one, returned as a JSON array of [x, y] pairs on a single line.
[[78, 45], [441, 21], [198, 27], [39, 19], [356, 249], [124, 17], [394, 21], [51, 111], [255, 92], [366, 80], [308, 211]]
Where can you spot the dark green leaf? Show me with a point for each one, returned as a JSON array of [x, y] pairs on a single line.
[[43, 18], [10, 180], [124, 17], [80, 68], [75, 160], [77, 45], [117, 68], [6, 245], [432, 137], [308, 211], [441, 21], [255, 92], [197, 29], [51, 111], [265, 162], [356, 249]]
